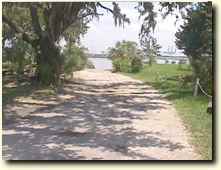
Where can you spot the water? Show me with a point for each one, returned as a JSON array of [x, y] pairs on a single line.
[[101, 63], [106, 64]]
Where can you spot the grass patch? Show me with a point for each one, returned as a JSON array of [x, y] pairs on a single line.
[[191, 109]]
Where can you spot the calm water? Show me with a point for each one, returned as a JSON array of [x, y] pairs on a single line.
[[106, 64], [101, 63]]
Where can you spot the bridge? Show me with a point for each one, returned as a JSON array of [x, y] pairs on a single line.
[[97, 56]]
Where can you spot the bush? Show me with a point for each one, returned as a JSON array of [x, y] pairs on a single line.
[[74, 60], [122, 65], [136, 64], [116, 65], [126, 57], [18, 55], [127, 65]]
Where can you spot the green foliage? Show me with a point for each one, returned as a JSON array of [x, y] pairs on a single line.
[[121, 65], [125, 57], [66, 19], [44, 24], [18, 55], [136, 64], [74, 59], [123, 49], [195, 38], [127, 65], [150, 49], [116, 64]]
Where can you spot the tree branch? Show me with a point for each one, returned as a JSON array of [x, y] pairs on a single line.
[[19, 30], [119, 18], [86, 15], [104, 7], [11, 24]]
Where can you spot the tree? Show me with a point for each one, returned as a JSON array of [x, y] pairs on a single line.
[[74, 59], [197, 32], [43, 25], [195, 39], [151, 49], [149, 14]]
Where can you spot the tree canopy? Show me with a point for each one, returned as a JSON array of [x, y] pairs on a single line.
[[195, 36], [150, 48], [195, 39], [44, 24]]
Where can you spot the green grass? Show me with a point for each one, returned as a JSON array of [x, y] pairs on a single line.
[[191, 109]]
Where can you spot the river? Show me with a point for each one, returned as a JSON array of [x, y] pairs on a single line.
[[101, 63]]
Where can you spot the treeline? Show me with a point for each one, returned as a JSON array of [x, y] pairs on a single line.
[[32, 33]]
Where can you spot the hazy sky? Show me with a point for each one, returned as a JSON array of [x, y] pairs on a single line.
[[103, 33]]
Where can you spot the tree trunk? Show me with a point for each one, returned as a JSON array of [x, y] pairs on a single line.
[[49, 62], [150, 61]]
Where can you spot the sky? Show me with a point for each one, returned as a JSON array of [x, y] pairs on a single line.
[[103, 33]]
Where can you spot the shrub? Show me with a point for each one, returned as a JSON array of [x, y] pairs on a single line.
[[74, 59], [136, 64], [122, 65], [126, 57], [116, 64], [125, 65], [17, 55]]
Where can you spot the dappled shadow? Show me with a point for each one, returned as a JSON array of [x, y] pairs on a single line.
[[31, 96], [12, 90], [96, 122]]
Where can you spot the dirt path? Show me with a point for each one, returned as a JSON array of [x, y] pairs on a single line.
[[101, 116]]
